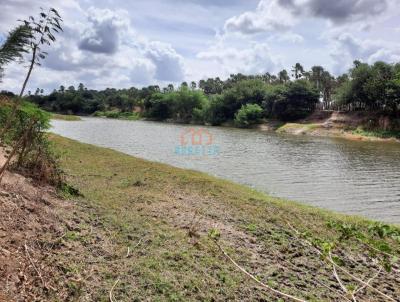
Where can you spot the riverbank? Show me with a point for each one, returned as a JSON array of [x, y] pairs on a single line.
[[65, 117], [348, 125], [144, 230]]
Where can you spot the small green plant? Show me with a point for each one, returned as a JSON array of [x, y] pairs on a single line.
[[214, 234], [67, 191]]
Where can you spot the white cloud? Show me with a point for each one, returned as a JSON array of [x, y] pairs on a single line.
[[257, 59], [101, 50], [102, 35], [338, 11], [269, 16], [346, 48], [280, 15], [169, 64]]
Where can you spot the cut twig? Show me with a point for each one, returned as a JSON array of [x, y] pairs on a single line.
[[337, 276], [277, 292], [344, 288], [342, 269], [369, 281], [111, 291], [333, 290], [34, 266]]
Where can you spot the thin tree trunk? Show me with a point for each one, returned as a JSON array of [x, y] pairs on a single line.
[[29, 71]]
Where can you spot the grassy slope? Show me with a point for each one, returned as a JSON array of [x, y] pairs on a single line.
[[64, 117], [163, 215]]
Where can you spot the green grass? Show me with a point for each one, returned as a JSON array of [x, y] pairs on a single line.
[[132, 116], [377, 133], [293, 127], [64, 117], [164, 215]]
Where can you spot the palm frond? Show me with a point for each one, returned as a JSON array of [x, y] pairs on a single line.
[[15, 44]]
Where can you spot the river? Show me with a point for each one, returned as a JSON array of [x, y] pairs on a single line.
[[353, 177]]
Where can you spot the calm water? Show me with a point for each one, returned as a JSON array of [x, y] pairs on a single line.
[[351, 177]]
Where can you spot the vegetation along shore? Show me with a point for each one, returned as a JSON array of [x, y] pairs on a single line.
[[361, 103]]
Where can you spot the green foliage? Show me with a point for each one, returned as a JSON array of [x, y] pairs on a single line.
[[293, 101], [374, 237], [27, 134], [214, 234], [242, 93], [371, 87], [25, 114], [159, 107], [15, 45], [366, 87], [182, 105], [378, 133], [249, 114], [68, 191], [214, 112]]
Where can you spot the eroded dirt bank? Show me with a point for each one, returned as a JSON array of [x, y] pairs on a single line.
[[347, 125]]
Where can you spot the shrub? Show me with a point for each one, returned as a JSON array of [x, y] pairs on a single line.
[[214, 113], [242, 93], [249, 114], [27, 138], [183, 105]]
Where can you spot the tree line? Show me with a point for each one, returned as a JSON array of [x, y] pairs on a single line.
[[244, 99]]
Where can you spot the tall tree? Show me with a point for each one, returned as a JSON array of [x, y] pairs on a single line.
[[316, 76], [298, 71], [327, 84], [283, 76]]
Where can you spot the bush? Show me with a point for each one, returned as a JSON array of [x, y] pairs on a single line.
[[214, 113], [183, 105], [242, 93], [26, 136], [159, 107], [249, 114]]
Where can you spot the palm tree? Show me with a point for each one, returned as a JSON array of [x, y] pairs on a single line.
[[298, 71], [15, 45], [283, 76]]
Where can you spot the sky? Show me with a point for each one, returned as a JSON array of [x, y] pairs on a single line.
[[122, 43]]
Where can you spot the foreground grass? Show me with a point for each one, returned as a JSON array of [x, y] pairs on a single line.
[[141, 229], [64, 117]]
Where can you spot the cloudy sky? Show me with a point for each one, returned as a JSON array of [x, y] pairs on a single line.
[[121, 43]]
